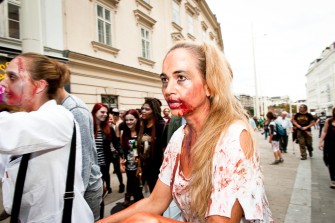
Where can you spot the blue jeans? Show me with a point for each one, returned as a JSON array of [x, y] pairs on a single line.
[[93, 199]]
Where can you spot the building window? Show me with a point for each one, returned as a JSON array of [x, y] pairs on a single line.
[[104, 25], [110, 100], [145, 43], [190, 24], [175, 12], [13, 21]]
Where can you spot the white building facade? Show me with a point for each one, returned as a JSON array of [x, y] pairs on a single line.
[[114, 48], [320, 83]]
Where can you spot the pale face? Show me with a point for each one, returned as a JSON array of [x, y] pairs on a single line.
[[122, 112], [147, 112], [131, 121], [101, 114], [183, 86], [166, 112], [110, 120], [18, 85], [302, 109]]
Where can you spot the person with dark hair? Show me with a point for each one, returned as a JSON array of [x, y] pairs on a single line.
[[274, 138], [211, 166], [131, 158], [41, 145], [321, 122], [106, 142], [303, 122], [151, 141], [166, 117], [327, 144]]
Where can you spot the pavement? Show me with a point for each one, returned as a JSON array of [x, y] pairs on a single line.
[[297, 190]]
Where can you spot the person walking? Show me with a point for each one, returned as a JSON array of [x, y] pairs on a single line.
[[131, 157], [151, 141], [90, 170], [41, 145], [327, 144], [303, 122], [274, 138], [106, 142], [287, 125], [321, 122], [266, 129], [211, 167]]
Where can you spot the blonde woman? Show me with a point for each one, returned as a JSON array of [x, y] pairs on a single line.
[[210, 168]]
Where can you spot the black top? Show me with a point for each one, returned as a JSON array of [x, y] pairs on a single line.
[[304, 119], [152, 158]]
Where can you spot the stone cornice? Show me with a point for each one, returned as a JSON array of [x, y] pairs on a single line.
[[110, 67]]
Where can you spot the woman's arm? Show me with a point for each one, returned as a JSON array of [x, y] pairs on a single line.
[[323, 134], [155, 204], [236, 215]]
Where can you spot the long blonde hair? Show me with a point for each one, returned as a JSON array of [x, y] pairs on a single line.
[[224, 110]]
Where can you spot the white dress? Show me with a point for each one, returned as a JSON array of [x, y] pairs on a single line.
[[234, 177]]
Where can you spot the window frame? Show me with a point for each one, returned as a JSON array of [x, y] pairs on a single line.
[[105, 39], [107, 98], [190, 23], [7, 21], [146, 51], [175, 13]]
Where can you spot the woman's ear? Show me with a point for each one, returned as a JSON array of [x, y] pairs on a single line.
[[41, 85], [207, 91]]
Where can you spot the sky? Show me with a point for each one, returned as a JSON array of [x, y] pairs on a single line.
[[287, 36]]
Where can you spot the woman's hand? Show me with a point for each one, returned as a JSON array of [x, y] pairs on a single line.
[[123, 165], [138, 171], [320, 146]]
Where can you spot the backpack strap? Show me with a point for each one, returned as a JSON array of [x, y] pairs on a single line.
[[20, 179], [69, 192]]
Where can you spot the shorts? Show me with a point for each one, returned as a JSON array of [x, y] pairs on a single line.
[[275, 146]]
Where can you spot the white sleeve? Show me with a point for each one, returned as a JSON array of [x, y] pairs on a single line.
[[23, 132]]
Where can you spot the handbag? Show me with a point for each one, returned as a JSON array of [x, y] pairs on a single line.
[[68, 195]]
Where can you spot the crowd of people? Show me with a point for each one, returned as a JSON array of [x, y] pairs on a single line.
[[198, 164], [299, 126], [64, 145]]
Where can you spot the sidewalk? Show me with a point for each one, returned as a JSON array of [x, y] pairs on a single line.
[[279, 179], [298, 191]]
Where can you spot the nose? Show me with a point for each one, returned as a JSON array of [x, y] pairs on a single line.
[[169, 88], [3, 82]]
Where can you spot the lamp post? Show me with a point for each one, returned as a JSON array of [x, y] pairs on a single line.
[[256, 104], [256, 109]]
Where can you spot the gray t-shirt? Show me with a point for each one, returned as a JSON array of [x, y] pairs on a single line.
[[90, 172]]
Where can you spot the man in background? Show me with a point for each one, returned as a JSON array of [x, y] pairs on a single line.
[[90, 172], [303, 121], [287, 125]]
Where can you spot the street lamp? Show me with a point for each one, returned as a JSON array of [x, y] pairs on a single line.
[[256, 109]]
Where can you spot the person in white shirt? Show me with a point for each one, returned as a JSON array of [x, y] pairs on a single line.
[[31, 83], [288, 126]]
